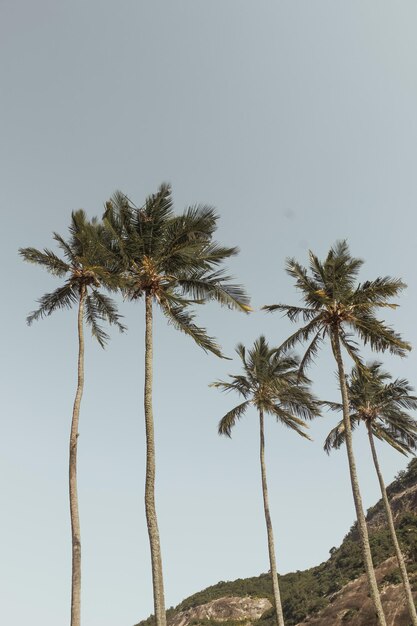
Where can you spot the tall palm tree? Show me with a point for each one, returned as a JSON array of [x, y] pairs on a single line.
[[85, 267], [337, 307], [272, 384], [171, 261], [382, 405]]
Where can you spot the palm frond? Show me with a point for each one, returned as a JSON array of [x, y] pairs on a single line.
[[62, 298], [65, 247], [292, 312], [333, 406], [303, 334], [351, 348], [311, 352], [287, 419], [92, 315], [89, 264], [215, 286], [47, 259], [379, 336], [337, 436], [302, 280], [229, 420], [374, 293], [182, 320], [106, 309], [239, 384]]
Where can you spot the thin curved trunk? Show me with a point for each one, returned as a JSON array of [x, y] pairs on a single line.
[[271, 546], [388, 512], [73, 494], [151, 519], [362, 528]]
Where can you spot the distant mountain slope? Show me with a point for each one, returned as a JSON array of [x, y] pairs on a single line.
[[333, 593]]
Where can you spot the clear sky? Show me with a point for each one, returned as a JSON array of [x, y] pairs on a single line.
[[297, 120]]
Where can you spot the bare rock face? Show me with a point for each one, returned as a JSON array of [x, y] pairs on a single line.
[[400, 503], [245, 610], [351, 606]]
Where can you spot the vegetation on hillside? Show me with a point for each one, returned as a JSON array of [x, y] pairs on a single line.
[[307, 592]]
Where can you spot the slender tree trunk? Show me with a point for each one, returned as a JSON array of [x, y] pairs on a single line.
[[271, 546], [151, 519], [73, 494], [362, 528], [388, 512]]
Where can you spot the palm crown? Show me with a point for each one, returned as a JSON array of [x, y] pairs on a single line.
[[381, 403], [270, 382], [335, 301], [172, 258], [87, 266]]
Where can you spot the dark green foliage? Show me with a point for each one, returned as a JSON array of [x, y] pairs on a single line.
[[382, 404], [173, 258], [88, 265], [258, 586], [272, 383], [307, 592], [393, 578], [336, 302], [404, 479]]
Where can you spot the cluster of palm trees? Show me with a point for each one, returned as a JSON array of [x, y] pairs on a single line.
[[174, 262]]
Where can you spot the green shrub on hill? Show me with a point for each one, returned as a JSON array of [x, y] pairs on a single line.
[[308, 592]]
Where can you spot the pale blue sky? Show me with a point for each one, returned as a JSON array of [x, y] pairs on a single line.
[[297, 120]]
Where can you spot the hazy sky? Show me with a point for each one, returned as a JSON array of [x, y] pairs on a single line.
[[297, 120]]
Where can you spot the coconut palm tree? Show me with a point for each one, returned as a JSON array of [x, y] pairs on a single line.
[[85, 266], [271, 382], [381, 404], [337, 307], [171, 261]]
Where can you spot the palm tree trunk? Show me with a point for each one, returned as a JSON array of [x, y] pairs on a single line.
[[363, 530], [73, 494], [151, 519], [271, 546], [388, 512]]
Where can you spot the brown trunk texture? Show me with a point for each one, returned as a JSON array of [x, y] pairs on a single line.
[[400, 558], [271, 546], [151, 519], [73, 494], [362, 528]]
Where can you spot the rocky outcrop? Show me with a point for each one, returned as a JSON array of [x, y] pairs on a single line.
[[352, 606], [400, 502], [244, 610], [316, 596]]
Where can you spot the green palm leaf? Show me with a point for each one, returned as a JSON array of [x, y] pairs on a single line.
[[229, 420]]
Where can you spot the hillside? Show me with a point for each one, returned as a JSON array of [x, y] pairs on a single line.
[[333, 592]]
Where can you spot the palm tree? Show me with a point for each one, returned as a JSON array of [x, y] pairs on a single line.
[[84, 265], [380, 404], [337, 307], [172, 261], [272, 384]]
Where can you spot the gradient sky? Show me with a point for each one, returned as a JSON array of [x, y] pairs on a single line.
[[297, 120]]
